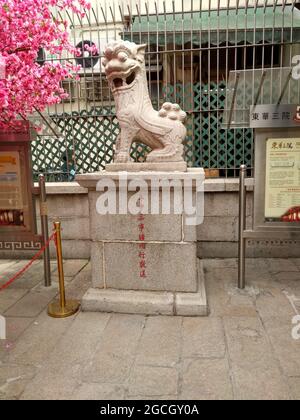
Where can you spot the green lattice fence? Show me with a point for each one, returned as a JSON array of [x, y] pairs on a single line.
[[87, 146], [89, 137], [208, 145]]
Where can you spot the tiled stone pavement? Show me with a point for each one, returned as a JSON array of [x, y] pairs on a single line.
[[243, 350]]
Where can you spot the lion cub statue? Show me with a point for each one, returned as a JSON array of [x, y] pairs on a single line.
[[163, 131]]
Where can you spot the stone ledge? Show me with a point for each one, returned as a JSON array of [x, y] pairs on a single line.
[[193, 304], [210, 185], [128, 301], [226, 185], [190, 304], [63, 188], [147, 166], [90, 180]]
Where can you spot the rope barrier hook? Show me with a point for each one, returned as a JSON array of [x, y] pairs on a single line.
[[61, 308]]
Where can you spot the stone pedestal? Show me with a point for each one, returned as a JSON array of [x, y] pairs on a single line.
[[145, 166], [144, 263]]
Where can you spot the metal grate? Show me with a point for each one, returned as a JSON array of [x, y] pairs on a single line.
[[192, 47]]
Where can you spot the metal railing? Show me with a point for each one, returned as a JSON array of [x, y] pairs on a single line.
[[192, 47]]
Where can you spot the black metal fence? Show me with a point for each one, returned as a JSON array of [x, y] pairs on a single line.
[[192, 47]]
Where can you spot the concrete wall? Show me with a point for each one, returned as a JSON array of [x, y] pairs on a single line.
[[217, 236], [68, 203], [179, 5]]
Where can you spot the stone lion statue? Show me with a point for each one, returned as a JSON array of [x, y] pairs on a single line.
[[163, 131]]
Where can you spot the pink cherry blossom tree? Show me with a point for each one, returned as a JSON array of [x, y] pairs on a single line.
[[26, 26]]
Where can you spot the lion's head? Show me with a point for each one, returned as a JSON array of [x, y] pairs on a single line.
[[122, 62]]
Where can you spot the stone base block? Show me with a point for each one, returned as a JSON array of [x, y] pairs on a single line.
[[148, 302], [128, 301], [192, 304], [170, 267], [144, 258], [147, 166]]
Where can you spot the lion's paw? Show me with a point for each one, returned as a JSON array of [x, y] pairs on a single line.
[[172, 111]]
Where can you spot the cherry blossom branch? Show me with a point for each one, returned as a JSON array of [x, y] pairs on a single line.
[[26, 27]]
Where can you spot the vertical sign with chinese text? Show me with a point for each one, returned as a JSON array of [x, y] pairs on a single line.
[[282, 197], [11, 195], [17, 208]]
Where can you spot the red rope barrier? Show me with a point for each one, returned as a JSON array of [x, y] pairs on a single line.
[[36, 256]]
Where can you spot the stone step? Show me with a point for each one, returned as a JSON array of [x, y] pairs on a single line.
[[148, 302]]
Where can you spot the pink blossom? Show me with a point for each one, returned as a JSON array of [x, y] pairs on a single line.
[[26, 26], [93, 49]]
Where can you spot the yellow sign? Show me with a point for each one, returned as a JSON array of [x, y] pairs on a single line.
[[282, 198], [11, 196], [8, 159]]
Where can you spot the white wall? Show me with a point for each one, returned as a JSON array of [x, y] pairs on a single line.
[[113, 10], [179, 5]]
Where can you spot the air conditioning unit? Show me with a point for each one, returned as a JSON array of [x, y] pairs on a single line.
[[41, 58], [90, 62], [44, 56], [95, 89], [70, 86], [154, 58]]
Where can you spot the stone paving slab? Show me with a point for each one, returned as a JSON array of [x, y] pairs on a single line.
[[272, 302], [263, 383], [14, 329], [10, 297], [206, 379], [153, 381], [64, 365], [296, 261], [116, 350], [161, 342], [87, 391], [294, 384], [82, 340], [6, 264], [32, 304], [29, 279], [13, 379], [203, 338], [277, 265], [16, 326], [285, 348], [255, 369], [39, 340], [243, 350], [248, 344], [52, 386]]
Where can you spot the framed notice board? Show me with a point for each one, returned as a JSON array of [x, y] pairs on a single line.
[[282, 196], [17, 205], [277, 181]]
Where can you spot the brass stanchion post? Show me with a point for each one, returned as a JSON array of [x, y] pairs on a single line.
[[62, 308]]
